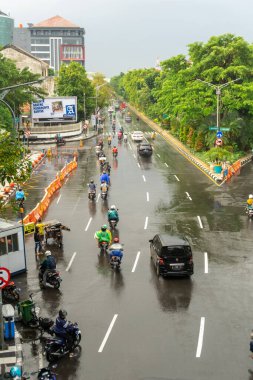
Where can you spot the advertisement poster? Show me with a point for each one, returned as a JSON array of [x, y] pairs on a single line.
[[63, 108]]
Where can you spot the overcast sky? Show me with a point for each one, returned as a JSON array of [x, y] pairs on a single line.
[[128, 34]]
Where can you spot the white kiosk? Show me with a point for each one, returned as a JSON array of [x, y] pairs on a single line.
[[12, 247]]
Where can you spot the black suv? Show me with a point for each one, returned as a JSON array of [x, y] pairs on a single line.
[[145, 149], [172, 255]]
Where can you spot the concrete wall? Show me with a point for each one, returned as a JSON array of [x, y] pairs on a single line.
[[22, 61]]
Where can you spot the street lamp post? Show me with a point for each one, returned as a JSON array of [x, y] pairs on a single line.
[[97, 88], [218, 94]]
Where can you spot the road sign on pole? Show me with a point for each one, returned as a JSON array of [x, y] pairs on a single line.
[[219, 134], [213, 128], [225, 129], [5, 276]]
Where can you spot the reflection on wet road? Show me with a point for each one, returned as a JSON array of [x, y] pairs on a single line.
[[134, 324]]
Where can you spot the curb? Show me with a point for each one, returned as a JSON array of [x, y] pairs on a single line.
[[13, 355], [52, 141], [175, 143]]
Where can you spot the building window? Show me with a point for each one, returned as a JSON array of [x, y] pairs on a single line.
[[72, 52], [40, 41], [9, 244], [3, 249], [40, 48]]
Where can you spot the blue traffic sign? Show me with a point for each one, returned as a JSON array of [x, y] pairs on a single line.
[[219, 134]]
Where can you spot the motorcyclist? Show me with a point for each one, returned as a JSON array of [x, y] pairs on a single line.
[[108, 168], [103, 235], [20, 195], [48, 265], [250, 201], [125, 137], [104, 187], [62, 328], [120, 134], [100, 143], [113, 214], [153, 135], [115, 150], [116, 249], [105, 177], [109, 140], [92, 186]]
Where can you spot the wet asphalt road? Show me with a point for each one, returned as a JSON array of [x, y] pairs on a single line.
[[164, 329]]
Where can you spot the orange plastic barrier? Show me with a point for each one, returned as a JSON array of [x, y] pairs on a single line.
[[41, 207]]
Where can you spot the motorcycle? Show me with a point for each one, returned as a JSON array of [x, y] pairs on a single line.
[[125, 139], [53, 279], [104, 195], [60, 141], [113, 223], [92, 195], [119, 137], [11, 293], [114, 154], [43, 374], [109, 142], [115, 262], [103, 247], [57, 347], [249, 212]]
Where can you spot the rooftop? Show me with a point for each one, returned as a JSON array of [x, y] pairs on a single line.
[[3, 14], [56, 22], [14, 47]]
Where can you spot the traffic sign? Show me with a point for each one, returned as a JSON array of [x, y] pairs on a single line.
[[225, 129], [213, 128], [219, 134], [218, 142], [5, 276]]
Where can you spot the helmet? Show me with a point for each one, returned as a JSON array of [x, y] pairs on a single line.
[[113, 207], [62, 314], [91, 181], [104, 227], [48, 253], [250, 196], [104, 172], [19, 189], [15, 371], [116, 240]]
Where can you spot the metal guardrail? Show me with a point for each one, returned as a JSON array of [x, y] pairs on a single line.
[[56, 128]]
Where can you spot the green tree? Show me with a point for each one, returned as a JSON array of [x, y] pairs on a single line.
[[104, 91], [13, 165], [16, 98], [73, 81]]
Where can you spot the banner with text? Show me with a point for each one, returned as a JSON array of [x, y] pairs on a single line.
[[64, 108]]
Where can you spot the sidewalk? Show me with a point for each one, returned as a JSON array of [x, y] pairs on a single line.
[[7, 191], [12, 355]]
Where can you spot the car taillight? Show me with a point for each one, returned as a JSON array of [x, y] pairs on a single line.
[[161, 261]]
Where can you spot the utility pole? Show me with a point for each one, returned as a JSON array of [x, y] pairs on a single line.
[[218, 94]]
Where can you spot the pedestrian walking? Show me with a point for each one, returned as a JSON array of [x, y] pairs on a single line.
[[41, 230], [38, 247]]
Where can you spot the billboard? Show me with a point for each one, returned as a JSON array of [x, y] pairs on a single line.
[[64, 108]]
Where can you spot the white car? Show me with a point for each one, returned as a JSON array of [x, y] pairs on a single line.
[[137, 136]]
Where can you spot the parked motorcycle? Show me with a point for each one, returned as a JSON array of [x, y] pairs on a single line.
[[57, 347], [10, 293], [92, 195], [103, 247], [53, 279], [43, 374], [60, 141]]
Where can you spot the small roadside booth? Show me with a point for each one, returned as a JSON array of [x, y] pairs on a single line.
[[12, 247]]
